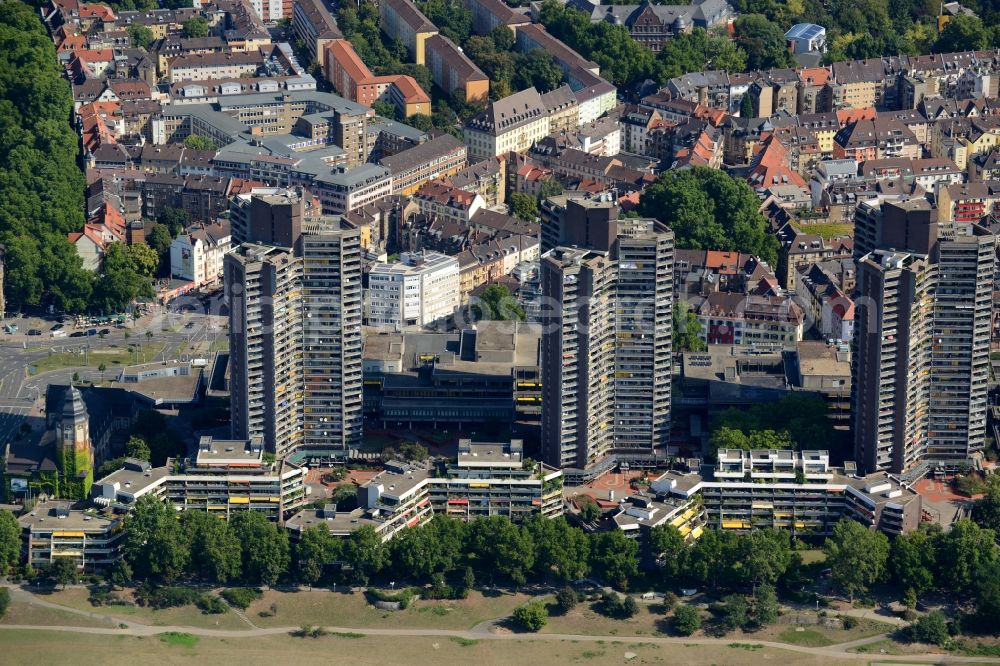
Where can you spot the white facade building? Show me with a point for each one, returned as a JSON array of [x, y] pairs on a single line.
[[420, 289], [197, 254]]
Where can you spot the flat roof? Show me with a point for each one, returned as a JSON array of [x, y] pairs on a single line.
[[44, 518]]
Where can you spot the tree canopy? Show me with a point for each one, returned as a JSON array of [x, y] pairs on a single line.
[[42, 184], [710, 210]]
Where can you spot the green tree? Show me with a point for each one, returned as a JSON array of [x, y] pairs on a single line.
[[913, 561], [174, 219], [765, 606], [160, 239], [523, 206], [63, 572], [140, 36], [728, 438], [120, 574], [987, 601], [763, 41], [452, 18], [560, 549], [530, 617], [857, 556], [746, 107], [549, 187], [417, 553], [497, 303], [931, 628], [709, 209], [10, 540], [666, 545], [765, 556], [687, 328], [502, 548], [136, 447], [196, 26], [386, 109], [155, 545], [197, 142], [963, 553], [614, 556], [4, 601], [537, 68], [216, 551], [316, 549], [686, 620], [699, 50], [735, 611], [986, 511], [265, 547], [589, 509], [962, 33], [365, 552]]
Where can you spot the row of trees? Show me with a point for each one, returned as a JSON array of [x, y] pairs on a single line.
[[794, 422], [42, 184], [508, 70]]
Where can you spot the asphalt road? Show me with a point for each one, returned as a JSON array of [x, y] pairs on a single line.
[[20, 392]]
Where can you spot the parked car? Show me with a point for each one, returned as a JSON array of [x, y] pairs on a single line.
[[10, 328], [77, 334], [91, 331], [35, 331], [105, 331], [57, 327]]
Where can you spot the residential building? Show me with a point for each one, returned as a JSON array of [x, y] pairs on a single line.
[[196, 254], [295, 336], [441, 157], [447, 202], [452, 70], [793, 490], [401, 21], [511, 124], [806, 38], [222, 477], [421, 289], [315, 27], [605, 364], [729, 319], [921, 340], [53, 530], [352, 79], [348, 188]]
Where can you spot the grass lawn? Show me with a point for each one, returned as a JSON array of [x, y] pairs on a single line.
[[828, 231], [812, 555], [804, 636], [819, 636], [111, 357], [185, 616], [21, 612], [322, 607], [25, 646], [585, 620], [220, 345]]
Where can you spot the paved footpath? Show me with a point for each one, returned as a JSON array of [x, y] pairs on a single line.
[[131, 628]]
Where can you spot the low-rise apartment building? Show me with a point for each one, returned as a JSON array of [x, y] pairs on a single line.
[[440, 157], [222, 477], [795, 490], [55, 530]]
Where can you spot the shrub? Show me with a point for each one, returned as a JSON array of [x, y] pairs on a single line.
[[530, 617], [166, 597], [241, 597], [4, 601], [849, 621], [669, 601], [686, 620], [403, 597], [566, 599], [930, 628], [629, 607], [211, 604]]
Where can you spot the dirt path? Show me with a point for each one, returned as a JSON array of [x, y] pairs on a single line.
[[131, 628]]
